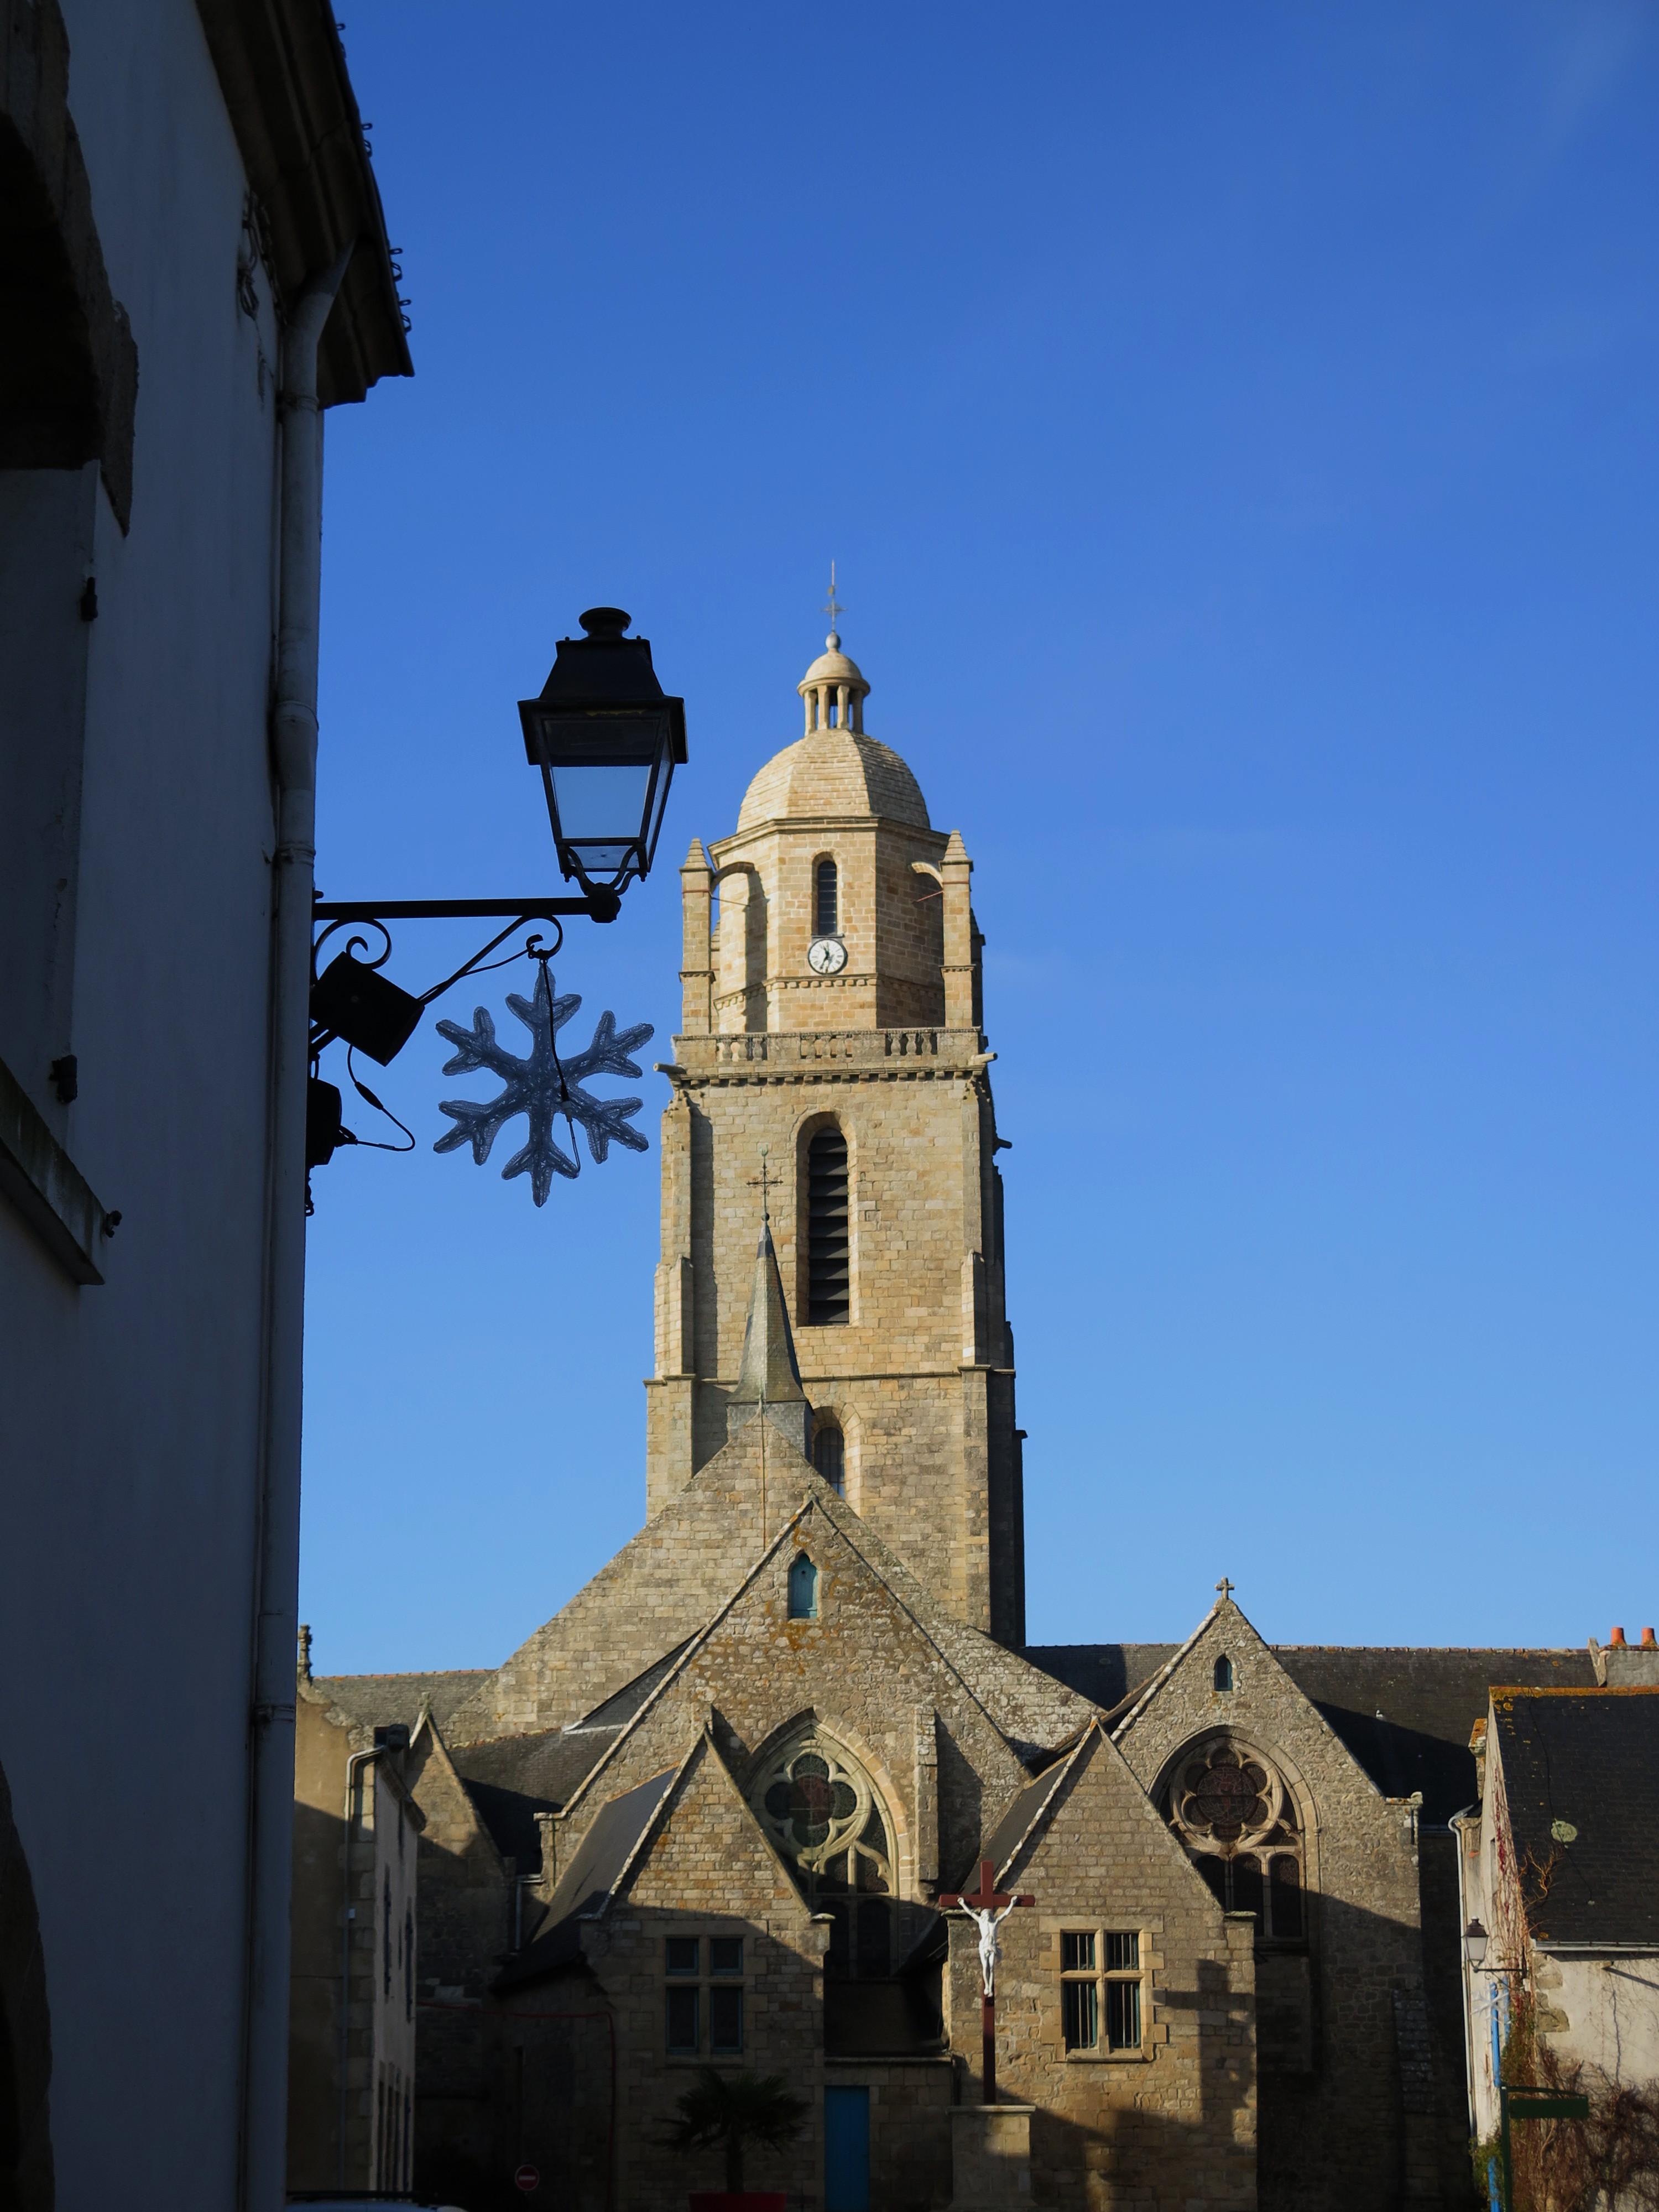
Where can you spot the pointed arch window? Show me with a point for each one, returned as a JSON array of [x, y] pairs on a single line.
[[826, 898], [822, 1811], [828, 1246], [1237, 1818], [1223, 1674], [803, 1590]]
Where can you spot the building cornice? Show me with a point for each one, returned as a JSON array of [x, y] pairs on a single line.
[[282, 69]]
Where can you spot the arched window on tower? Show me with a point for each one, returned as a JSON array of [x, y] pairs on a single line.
[[828, 1248], [829, 1455], [826, 899]]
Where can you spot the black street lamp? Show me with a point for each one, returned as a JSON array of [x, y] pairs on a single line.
[[607, 740]]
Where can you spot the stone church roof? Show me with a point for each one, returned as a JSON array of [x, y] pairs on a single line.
[[834, 772]]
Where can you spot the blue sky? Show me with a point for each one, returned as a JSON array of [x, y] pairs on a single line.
[[1235, 432]]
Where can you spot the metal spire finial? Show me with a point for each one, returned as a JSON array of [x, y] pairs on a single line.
[[760, 1182], [833, 608]]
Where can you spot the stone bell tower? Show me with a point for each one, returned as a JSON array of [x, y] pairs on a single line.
[[832, 1019]]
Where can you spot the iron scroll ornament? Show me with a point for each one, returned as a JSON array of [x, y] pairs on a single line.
[[353, 1002]]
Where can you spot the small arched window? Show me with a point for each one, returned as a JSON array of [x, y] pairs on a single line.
[[828, 1248], [826, 899], [829, 1455], [1224, 1672], [803, 1590]]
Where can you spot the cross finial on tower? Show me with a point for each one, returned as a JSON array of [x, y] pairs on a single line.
[[761, 1183], [832, 605], [1225, 1588]]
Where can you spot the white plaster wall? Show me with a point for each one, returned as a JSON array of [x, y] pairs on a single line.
[[1612, 2009], [131, 1412]]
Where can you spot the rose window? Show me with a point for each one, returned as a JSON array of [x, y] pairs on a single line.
[[1238, 1820]]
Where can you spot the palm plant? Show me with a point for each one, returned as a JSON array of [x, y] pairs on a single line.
[[734, 2110]]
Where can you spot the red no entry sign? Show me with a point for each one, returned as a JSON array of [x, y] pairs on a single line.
[[527, 2178]]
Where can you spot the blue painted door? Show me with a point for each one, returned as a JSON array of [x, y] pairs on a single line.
[[847, 2150]]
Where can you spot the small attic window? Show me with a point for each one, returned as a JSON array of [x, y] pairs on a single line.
[[1224, 1672], [803, 1590]]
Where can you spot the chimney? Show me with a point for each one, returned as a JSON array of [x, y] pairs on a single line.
[[1628, 1666]]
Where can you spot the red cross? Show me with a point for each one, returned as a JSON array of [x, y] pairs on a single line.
[[988, 1899]]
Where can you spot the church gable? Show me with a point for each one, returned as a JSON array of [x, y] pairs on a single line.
[[1125, 2000], [658, 1591], [1285, 1825], [861, 1666], [707, 1854]]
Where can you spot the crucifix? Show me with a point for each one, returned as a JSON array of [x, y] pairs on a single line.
[[989, 1906]]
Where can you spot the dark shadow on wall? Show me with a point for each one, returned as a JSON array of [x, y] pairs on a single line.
[[1137, 2154], [27, 2180]]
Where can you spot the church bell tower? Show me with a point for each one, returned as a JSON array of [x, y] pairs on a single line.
[[831, 1023]]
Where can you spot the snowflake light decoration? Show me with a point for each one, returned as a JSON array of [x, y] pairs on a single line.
[[544, 1086]]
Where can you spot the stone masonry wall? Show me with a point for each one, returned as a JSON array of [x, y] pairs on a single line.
[[908, 1377], [872, 1677], [1174, 2124], [707, 1870], [1343, 2128]]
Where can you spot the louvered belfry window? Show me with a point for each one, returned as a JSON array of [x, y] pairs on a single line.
[[828, 1251]]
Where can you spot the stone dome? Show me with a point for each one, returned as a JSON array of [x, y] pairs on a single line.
[[834, 772], [835, 769]]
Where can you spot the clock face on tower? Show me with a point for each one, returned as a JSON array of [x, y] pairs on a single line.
[[826, 956]]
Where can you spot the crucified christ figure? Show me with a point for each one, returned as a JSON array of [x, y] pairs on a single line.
[[990, 1944]]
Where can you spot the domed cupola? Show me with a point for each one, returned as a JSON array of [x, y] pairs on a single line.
[[834, 690]]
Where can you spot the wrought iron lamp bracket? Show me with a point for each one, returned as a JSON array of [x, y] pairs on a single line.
[[340, 914]]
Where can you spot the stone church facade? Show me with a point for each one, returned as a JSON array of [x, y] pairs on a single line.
[[704, 1815]]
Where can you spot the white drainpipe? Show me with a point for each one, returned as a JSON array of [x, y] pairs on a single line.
[[293, 748]]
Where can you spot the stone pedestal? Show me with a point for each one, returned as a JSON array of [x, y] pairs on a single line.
[[991, 2157]]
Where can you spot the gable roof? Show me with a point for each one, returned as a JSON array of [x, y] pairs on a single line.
[[1407, 1715], [380, 1699], [511, 1779], [1404, 1715], [1585, 1761], [1025, 1809]]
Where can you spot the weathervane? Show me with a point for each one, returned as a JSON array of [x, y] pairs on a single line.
[[832, 605]]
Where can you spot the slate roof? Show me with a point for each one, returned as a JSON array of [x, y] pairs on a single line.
[[1404, 1713], [1429, 1701], [513, 1777], [1104, 1673], [593, 1872], [1022, 1809], [1588, 1760], [377, 1700]]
